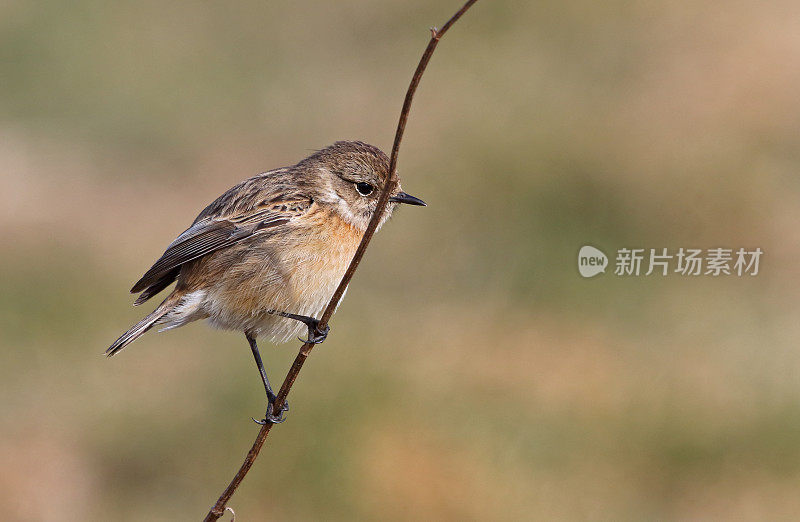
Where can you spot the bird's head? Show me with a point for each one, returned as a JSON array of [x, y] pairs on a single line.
[[349, 176]]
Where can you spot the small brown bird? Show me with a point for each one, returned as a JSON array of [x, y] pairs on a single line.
[[267, 255]]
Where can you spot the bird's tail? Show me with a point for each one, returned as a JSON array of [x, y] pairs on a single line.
[[145, 324]]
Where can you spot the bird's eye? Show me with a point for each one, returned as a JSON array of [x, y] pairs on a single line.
[[365, 189]]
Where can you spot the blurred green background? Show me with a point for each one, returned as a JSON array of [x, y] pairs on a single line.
[[471, 372]]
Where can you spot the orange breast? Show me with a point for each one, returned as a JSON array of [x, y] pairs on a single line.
[[320, 259]]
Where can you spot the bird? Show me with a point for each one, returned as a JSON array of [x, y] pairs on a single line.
[[265, 257]]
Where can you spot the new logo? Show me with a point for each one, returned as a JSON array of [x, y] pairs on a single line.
[[591, 261]]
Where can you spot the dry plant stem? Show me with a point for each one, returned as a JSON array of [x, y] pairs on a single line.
[[436, 34]]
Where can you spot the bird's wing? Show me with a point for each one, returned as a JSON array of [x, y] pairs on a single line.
[[230, 219]]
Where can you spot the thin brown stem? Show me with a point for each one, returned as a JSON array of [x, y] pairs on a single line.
[[436, 34]]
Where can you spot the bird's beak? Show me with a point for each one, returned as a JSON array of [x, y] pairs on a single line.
[[408, 199]]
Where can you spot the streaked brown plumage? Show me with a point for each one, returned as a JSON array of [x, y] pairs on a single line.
[[277, 242]]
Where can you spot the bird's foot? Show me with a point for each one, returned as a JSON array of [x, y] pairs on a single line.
[[273, 419], [316, 335]]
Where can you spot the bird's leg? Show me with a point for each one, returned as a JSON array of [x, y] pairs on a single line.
[[268, 417], [315, 334]]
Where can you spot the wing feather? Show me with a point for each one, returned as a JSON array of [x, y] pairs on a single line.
[[210, 233], [158, 286]]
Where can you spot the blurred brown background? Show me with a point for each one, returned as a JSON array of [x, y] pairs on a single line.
[[471, 373]]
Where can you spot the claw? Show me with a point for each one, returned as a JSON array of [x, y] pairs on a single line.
[[273, 419], [270, 418], [315, 335]]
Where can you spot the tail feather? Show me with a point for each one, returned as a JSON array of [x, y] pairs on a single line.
[[142, 326]]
